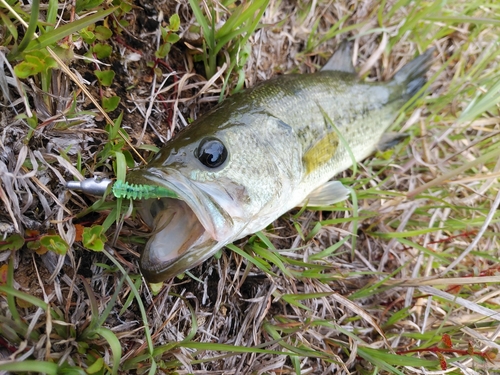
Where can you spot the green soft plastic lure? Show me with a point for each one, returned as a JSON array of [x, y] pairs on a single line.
[[133, 191]]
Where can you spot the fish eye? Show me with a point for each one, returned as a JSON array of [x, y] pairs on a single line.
[[211, 152]]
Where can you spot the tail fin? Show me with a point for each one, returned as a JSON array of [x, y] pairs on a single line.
[[411, 76]]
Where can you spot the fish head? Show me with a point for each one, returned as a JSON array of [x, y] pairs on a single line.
[[208, 170]]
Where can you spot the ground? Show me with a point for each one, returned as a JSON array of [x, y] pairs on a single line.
[[373, 285]]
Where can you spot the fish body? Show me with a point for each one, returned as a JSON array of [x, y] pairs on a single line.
[[262, 152]]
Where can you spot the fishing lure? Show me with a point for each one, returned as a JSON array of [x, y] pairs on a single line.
[[121, 189], [132, 191], [94, 186]]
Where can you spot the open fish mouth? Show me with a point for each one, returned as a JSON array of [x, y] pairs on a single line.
[[186, 231]]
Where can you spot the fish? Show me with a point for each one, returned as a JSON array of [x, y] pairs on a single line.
[[262, 152]]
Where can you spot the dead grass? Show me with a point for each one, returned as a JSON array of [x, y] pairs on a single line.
[[414, 247]]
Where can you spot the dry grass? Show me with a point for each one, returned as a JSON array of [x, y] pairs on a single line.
[[425, 261]]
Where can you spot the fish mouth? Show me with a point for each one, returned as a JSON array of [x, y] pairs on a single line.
[[186, 231]]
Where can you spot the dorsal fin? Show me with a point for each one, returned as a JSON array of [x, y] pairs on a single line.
[[341, 61]]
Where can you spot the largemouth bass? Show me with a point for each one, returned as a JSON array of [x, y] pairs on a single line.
[[262, 152]]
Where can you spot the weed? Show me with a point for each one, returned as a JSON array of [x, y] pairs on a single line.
[[401, 276], [240, 23]]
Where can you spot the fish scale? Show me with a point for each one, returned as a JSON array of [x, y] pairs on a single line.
[[302, 100], [272, 147]]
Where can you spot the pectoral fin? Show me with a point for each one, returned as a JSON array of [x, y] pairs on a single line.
[[327, 194], [341, 61], [390, 140]]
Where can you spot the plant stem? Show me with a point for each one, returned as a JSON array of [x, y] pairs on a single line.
[[35, 6]]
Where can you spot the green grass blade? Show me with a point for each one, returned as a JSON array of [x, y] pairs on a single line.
[[24, 296], [113, 216], [328, 251], [28, 365], [53, 36], [152, 369], [241, 16], [342, 140], [35, 6], [138, 298], [213, 346], [234, 20], [299, 351], [52, 14], [259, 263], [121, 166], [387, 360], [481, 104], [270, 256], [111, 302], [130, 297], [408, 233], [355, 218], [371, 289], [265, 240], [196, 8], [253, 25], [444, 259], [492, 155], [294, 299], [464, 19], [10, 284], [194, 321], [115, 346], [235, 25]]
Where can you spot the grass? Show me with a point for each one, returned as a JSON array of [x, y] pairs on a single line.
[[400, 279]]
